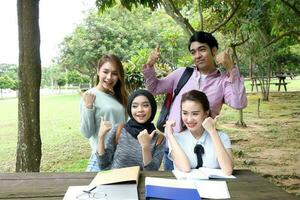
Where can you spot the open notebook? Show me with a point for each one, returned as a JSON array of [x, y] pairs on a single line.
[[201, 173]]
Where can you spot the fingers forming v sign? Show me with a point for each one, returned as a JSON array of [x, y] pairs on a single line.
[[105, 126]]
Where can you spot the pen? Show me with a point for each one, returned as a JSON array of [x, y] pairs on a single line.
[[89, 191]]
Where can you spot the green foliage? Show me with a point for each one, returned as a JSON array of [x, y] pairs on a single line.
[[74, 77], [6, 82], [104, 4], [133, 76], [61, 81], [106, 33], [9, 70], [50, 75]]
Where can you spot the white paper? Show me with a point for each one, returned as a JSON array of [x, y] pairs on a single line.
[[111, 192], [201, 173], [212, 189], [193, 174], [214, 173], [164, 182]]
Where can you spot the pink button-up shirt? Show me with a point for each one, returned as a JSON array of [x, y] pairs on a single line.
[[217, 87]]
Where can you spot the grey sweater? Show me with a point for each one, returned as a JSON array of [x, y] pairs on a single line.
[[105, 106], [128, 152]]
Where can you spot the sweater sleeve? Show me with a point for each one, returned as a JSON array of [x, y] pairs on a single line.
[[105, 160], [87, 120], [157, 156], [234, 90]]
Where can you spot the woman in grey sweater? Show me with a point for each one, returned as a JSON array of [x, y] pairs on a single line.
[[139, 144], [107, 99]]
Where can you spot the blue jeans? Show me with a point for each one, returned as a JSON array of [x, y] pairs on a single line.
[[168, 164], [93, 165]]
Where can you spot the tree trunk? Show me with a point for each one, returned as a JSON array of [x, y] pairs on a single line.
[[240, 122], [29, 141]]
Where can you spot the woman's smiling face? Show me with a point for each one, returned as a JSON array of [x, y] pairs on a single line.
[[141, 109], [108, 76], [192, 115]]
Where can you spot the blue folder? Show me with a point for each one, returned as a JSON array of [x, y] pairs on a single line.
[[162, 192]]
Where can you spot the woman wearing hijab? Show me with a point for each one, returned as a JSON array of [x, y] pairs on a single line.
[[139, 143]]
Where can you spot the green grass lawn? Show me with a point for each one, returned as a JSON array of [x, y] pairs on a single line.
[[63, 148]]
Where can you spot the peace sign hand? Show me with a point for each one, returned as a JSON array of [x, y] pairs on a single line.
[[105, 126]]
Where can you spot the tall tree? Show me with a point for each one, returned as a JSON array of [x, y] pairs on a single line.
[[29, 141]]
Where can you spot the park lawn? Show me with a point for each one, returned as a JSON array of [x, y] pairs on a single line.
[[63, 147]]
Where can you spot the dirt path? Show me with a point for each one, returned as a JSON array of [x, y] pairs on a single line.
[[270, 144]]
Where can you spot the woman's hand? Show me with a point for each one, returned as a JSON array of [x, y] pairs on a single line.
[[105, 126], [169, 128], [209, 124], [145, 138], [88, 99]]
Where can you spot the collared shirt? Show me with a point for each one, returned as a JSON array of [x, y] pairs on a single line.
[[188, 142], [216, 85]]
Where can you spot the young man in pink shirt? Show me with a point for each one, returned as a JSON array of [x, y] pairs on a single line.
[[220, 88]]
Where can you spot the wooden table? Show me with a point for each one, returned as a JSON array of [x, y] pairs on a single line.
[[36, 186], [280, 78], [281, 81]]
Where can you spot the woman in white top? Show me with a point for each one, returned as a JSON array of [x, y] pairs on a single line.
[[199, 143]]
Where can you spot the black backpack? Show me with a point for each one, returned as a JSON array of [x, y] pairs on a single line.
[[165, 109]]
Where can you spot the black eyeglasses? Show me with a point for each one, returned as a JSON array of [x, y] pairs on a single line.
[[199, 151]]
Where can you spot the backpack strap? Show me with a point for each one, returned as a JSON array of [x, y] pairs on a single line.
[[118, 132], [159, 139], [183, 79]]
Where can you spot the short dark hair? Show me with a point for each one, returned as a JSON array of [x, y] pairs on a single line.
[[203, 37]]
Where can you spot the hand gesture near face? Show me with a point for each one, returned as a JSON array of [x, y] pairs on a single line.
[[224, 59], [105, 126], [145, 139], [88, 99], [209, 124], [169, 128], [154, 56]]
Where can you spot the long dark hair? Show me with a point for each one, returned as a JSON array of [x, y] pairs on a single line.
[[197, 96], [120, 91]]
